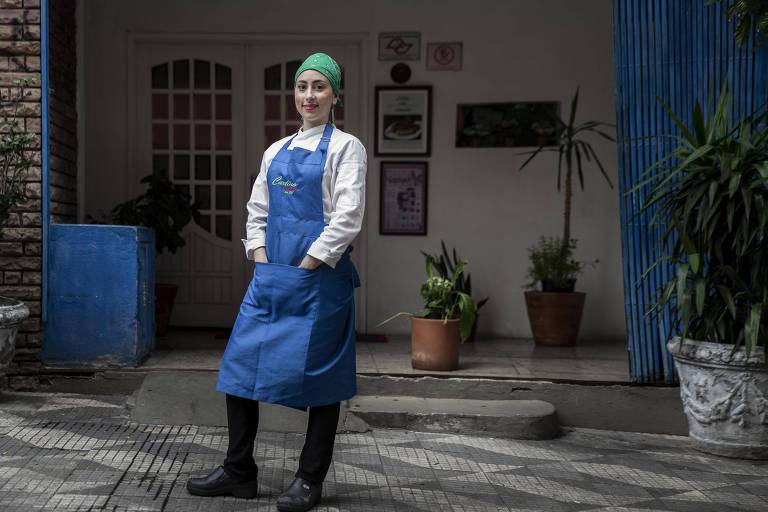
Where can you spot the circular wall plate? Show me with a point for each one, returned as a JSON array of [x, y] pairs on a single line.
[[400, 73]]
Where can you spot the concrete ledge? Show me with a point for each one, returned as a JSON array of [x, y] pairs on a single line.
[[630, 408], [517, 419], [190, 398]]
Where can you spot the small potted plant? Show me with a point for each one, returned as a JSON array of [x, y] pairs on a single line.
[[445, 266], [555, 311], [710, 193], [16, 146], [572, 149], [444, 323], [167, 210]]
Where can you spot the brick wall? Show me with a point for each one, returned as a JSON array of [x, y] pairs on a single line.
[[63, 110], [21, 240]]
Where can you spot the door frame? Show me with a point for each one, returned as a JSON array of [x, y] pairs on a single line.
[[359, 39]]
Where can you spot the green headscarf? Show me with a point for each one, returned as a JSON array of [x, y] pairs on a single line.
[[326, 66]]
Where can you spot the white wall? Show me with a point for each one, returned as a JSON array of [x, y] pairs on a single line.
[[514, 50]]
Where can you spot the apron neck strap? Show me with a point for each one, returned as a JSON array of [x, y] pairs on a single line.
[[325, 139]]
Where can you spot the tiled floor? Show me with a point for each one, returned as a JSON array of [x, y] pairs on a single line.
[[81, 453], [593, 361]]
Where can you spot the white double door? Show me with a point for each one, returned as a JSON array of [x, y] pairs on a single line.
[[204, 115]]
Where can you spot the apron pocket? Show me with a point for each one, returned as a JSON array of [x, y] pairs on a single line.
[[288, 292]]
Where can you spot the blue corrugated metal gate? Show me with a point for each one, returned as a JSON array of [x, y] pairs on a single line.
[[681, 51]]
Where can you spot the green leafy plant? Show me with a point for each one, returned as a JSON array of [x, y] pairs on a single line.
[[16, 148], [163, 207], [445, 267], [573, 149], [442, 300], [747, 15], [710, 195], [554, 268]]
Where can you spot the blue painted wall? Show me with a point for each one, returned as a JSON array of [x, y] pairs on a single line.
[[101, 296], [681, 51]]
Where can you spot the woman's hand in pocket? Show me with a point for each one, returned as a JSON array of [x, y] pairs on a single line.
[[310, 262], [260, 255]]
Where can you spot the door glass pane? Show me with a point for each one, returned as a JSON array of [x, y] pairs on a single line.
[[290, 108], [181, 167], [159, 106], [223, 167], [202, 74], [159, 136], [202, 167], [271, 107], [224, 226], [223, 197], [290, 70], [272, 78], [181, 136], [224, 106], [181, 74], [223, 137], [160, 165], [202, 136], [271, 134], [203, 196], [181, 106], [202, 105], [160, 76], [204, 221], [182, 188], [223, 77]]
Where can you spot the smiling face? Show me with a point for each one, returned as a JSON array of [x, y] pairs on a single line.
[[313, 97]]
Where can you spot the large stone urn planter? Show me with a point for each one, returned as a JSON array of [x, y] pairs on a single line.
[[725, 397], [12, 313]]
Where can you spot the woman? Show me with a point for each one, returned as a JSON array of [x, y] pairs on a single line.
[[293, 342]]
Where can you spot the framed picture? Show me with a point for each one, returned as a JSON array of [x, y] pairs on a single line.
[[403, 121], [399, 45], [444, 56], [507, 125], [403, 201]]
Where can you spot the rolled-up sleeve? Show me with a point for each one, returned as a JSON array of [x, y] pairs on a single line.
[[348, 199], [258, 209]]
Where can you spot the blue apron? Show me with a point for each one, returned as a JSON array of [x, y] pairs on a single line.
[[293, 342]]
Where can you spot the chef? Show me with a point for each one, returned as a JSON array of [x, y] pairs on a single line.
[[293, 342]]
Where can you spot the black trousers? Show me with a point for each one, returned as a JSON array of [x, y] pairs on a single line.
[[316, 455]]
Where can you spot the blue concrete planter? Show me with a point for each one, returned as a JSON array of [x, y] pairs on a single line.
[[101, 300]]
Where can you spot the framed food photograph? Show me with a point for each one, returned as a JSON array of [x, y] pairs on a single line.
[[403, 121], [403, 201], [507, 125]]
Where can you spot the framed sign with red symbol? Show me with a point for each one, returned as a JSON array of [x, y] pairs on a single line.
[[399, 46], [444, 56], [403, 120]]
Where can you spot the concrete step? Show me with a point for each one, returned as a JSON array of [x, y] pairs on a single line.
[[626, 407], [190, 398], [517, 419]]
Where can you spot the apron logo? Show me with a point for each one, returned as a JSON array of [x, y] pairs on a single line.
[[289, 187]]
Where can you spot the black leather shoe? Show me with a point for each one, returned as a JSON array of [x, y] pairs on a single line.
[[300, 496], [219, 483]]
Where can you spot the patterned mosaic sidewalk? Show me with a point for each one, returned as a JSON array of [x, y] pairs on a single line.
[[76, 452]]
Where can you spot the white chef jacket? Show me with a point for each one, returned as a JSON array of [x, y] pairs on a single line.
[[343, 194]]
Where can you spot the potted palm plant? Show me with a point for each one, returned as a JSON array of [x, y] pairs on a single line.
[[16, 147], [167, 210], [444, 323], [557, 304], [710, 196], [445, 267]]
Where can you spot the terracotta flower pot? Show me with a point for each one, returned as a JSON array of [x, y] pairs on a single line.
[[434, 344], [555, 317], [165, 296]]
